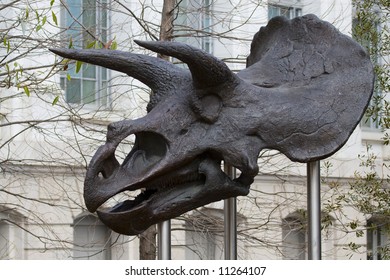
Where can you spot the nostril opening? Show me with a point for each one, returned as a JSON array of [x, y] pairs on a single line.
[[100, 175], [183, 131]]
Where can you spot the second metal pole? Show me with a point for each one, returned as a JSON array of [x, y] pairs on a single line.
[[314, 210], [164, 240], [230, 221]]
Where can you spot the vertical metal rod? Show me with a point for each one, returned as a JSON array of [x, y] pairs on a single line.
[[230, 220], [314, 210], [164, 240]]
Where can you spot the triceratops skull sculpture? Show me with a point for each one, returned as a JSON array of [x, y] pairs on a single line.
[[303, 92]]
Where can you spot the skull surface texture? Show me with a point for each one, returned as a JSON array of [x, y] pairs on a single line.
[[303, 92]]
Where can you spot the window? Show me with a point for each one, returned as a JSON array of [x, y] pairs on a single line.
[[86, 26], [378, 245], [92, 239], [294, 237], [287, 11], [11, 235], [204, 235], [193, 24]]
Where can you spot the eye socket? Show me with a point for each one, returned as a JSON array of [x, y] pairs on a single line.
[[208, 107]]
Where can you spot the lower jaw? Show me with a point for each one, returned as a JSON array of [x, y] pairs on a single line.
[[161, 208]]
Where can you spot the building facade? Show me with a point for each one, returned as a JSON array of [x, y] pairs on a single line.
[[50, 129]]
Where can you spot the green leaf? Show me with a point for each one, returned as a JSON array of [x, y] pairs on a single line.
[[91, 45], [353, 225], [44, 20], [26, 91], [70, 43], [39, 27], [27, 13], [7, 44], [78, 66], [53, 15], [68, 77], [51, 3], [55, 100], [114, 45], [37, 16]]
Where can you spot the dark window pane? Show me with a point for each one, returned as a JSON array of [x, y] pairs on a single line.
[[73, 91], [103, 94], [104, 19], [89, 71], [89, 90], [104, 73], [104, 35], [72, 71], [73, 14], [273, 12]]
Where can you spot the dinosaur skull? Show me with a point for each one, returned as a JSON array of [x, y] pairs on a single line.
[[303, 93]]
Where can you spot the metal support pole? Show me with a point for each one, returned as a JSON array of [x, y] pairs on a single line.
[[164, 240], [230, 220], [314, 210]]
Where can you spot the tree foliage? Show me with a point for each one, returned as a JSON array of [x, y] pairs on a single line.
[[371, 29], [369, 192]]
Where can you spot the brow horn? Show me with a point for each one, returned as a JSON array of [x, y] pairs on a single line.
[[207, 70]]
